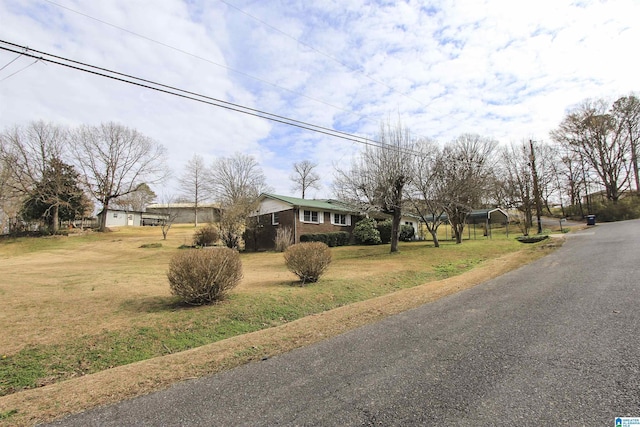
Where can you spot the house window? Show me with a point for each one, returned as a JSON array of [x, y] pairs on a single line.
[[310, 216], [115, 215], [340, 219], [275, 218]]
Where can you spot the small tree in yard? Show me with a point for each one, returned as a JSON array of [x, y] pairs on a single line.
[[308, 260], [423, 189], [115, 160], [206, 236], [170, 217], [204, 276], [236, 182], [461, 174], [378, 179]]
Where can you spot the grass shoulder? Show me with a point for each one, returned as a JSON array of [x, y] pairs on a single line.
[[144, 322]]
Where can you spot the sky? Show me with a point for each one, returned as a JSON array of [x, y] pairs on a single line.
[[505, 69]]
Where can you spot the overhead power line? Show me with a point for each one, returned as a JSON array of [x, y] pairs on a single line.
[[16, 72], [242, 73], [198, 57], [171, 90], [10, 62]]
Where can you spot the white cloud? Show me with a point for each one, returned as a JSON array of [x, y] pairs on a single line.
[[496, 67]]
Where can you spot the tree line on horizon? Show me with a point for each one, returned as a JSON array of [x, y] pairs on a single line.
[[49, 173]]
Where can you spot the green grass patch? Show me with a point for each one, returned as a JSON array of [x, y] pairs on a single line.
[[151, 245], [8, 414], [15, 246], [162, 325]]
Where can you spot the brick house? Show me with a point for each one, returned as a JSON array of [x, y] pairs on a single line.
[[302, 216]]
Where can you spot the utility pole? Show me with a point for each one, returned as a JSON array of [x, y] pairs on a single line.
[[536, 190]]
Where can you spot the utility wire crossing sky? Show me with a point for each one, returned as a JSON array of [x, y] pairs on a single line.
[[502, 69]]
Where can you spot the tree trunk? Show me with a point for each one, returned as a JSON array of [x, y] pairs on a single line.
[[457, 230], [103, 218], [54, 220], [395, 229], [434, 236], [634, 163]]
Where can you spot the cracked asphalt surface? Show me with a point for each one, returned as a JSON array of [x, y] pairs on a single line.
[[553, 343]]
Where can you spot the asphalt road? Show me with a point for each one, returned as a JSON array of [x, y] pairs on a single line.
[[554, 343]]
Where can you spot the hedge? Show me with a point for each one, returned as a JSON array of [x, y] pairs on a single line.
[[331, 239]]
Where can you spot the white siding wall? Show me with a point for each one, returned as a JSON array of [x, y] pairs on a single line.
[[270, 206], [413, 223], [121, 219]]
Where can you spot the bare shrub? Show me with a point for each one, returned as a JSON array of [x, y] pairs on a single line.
[[284, 238], [206, 236], [203, 276], [308, 260]]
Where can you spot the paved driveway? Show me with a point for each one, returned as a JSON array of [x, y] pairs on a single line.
[[553, 343]]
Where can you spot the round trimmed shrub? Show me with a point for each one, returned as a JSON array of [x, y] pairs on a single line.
[[206, 236], [384, 227], [203, 276], [308, 260], [532, 239], [366, 233], [406, 233]]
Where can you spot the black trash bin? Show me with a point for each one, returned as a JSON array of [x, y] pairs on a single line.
[[591, 220]]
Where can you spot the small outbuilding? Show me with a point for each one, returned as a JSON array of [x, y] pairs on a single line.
[[487, 218], [121, 218]]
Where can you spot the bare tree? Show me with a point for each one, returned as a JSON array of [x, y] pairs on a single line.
[[193, 184], [596, 136], [548, 162], [421, 194], [304, 177], [116, 160], [136, 200], [462, 173], [518, 178], [6, 195], [28, 154], [169, 216], [236, 183], [626, 110], [571, 179], [377, 178]]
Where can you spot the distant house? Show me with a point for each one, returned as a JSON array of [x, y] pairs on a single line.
[[301, 216], [123, 218], [185, 213]]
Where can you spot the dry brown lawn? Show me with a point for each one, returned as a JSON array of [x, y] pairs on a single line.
[[68, 289]]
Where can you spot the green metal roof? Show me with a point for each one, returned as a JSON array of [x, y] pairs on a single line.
[[322, 204], [481, 215]]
